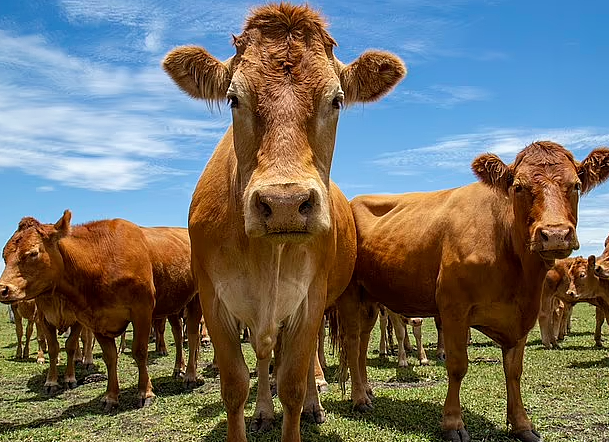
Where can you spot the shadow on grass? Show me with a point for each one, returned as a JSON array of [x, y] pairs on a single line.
[[415, 417], [591, 364]]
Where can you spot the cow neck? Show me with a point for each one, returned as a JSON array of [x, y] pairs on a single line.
[[75, 293]]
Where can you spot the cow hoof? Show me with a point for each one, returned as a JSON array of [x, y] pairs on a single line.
[[460, 435], [90, 366], [598, 344], [363, 408], [441, 357], [190, 384], [40, 361], [109, 406], [162, 352], [424, 361], [261, 424], [51, 389], [71, 384], [145, 402], [178, 374], [323, 388], [315, 417], [528, 436]]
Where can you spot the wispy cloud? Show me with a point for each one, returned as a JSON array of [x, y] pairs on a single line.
[[92, 125], [445, 96], [457, 152]]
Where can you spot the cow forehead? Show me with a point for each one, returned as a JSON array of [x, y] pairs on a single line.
[[22, 241], [545, 162]]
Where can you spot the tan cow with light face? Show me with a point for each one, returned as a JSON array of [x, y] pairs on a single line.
[[273, 239], [476, 255]]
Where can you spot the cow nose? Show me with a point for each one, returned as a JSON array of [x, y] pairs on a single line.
[[285, 208], [5, 291], [572, 293], [553, 238]]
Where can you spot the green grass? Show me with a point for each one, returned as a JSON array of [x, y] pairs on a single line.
[[566, 393]]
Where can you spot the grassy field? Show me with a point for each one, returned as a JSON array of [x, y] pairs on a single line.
[[566, 393]]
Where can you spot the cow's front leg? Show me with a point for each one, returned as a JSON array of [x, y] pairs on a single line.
[[522, 428], [297, 348], [312, 408], [455, 341], [234, 374]]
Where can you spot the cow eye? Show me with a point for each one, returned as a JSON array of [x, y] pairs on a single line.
[[518, 188], [32, 254], [337, 102], [577, 187], [233, 101]]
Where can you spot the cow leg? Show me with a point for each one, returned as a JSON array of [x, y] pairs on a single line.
[[417, 332], [263, 417], [108, 346], [522, 428], [88, 340], [51, 386], [141, 331], [320, 379], [193, 319], [42, 343], [123, 344], [29, 329], [456, 366], [312, 408], [321, 344], [600, 319], [368, 313], [18, 332], [402, 337], [176, 329], [159, 336], [383, 320], [71, 346], [440, 352], [546, 321], [296, 369]]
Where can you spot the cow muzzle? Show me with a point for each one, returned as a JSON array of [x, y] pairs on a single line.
[[554, 242], [286, 212], [8, 293], [601, 271]]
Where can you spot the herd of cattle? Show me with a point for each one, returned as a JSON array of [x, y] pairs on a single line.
[[272, 243]]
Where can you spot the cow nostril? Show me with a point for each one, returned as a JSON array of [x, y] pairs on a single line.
[[3, 291], [544, 235], [305, 208], [263, 207]]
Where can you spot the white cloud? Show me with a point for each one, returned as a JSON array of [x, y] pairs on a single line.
[[93, 125], [457, 152], [445, 96]]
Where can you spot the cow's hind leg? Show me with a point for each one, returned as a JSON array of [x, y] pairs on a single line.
[[51, 386], [40, 337], [600, 319], [159, 336], [263, 417], [141, 330], [18, 332], [29, 329], [176, 329], [522, 428], [88, 340], [71, 346], [108, 346], [193, 319]]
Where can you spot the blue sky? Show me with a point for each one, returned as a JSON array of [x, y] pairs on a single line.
[[90, 122]]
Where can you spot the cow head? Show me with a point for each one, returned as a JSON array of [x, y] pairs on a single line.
[[543, 185], [577, 274], [285, 89], [600, 267], [32, 259]]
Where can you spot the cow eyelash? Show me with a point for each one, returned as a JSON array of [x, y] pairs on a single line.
[[233, 101]]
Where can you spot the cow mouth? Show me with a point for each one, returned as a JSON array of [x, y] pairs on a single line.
[[550, 255], [296, 236]]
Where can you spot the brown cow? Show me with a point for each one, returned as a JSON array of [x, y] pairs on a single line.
[[399, 324], [58, 316], [27, 310], [477, 255], [565, 285], [273, 238], [112, 272]]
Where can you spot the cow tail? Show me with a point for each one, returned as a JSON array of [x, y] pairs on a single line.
[[338, 345]]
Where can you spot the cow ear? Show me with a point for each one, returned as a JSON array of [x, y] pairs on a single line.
[[493, 172], [62, 226], [371, 76], [198, 73], [591, 264], [594, 169]]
